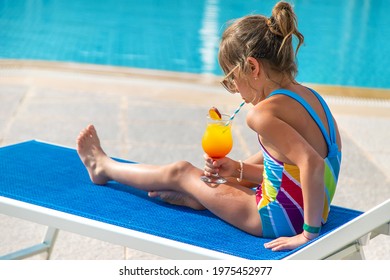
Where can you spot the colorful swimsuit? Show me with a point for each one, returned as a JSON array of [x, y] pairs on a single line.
[[279, 197]]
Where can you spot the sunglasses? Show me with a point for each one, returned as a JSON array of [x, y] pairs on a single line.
[[228, 81]]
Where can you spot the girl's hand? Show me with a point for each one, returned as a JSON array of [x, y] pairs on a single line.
[[286, 243], [225, 167]]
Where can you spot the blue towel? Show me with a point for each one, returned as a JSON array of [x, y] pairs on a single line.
[[54, 177]]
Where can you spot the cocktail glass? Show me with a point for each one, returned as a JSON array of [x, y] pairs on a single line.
[[217, 142]]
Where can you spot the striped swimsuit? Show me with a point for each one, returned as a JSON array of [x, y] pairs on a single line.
[[279, 197]]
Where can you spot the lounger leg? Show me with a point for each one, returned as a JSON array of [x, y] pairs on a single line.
[[357, 254], [46, 246], [352, 252], [50, 239]]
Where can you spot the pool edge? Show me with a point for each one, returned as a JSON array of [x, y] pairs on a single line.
[[202, 79]]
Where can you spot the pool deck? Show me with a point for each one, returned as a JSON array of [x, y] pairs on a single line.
[[157, 117]]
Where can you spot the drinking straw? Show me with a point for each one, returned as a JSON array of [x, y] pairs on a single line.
[[235, 113]]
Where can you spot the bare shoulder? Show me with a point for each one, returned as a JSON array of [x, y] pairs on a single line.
[[261, 115]]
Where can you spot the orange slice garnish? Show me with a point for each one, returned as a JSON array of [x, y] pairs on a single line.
[[215, 114]]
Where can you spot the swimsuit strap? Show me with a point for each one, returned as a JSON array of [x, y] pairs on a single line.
[[330, 140], [329, 117]]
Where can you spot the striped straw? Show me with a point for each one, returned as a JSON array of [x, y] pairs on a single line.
[[235, 113]]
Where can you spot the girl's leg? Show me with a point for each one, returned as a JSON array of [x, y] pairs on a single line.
[[231, 202]]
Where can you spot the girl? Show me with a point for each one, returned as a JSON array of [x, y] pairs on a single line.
[[297, 167]]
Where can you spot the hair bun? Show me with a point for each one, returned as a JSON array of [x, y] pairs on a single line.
[[282, 7], [283, 21]]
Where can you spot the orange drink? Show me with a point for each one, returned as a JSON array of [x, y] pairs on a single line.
[[217, 142]]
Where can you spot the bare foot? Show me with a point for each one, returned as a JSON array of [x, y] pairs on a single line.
[[92, 154], [177, 198]]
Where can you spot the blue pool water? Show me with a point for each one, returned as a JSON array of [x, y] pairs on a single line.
[[347, 42]]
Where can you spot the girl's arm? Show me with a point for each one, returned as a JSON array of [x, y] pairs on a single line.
[[295, 149]]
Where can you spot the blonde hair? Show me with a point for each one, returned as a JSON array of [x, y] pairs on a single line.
[[263, 38]]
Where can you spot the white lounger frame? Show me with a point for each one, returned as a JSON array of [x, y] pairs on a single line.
[[347, 241], [343, 243]]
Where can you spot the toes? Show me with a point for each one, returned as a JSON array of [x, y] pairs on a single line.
[[91, 130], [88, 132], [80, 138], [91, 133]]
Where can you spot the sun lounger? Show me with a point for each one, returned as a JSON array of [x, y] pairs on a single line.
[[47, 184]]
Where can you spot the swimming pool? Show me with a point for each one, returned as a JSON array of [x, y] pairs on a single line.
[[346, 42]]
